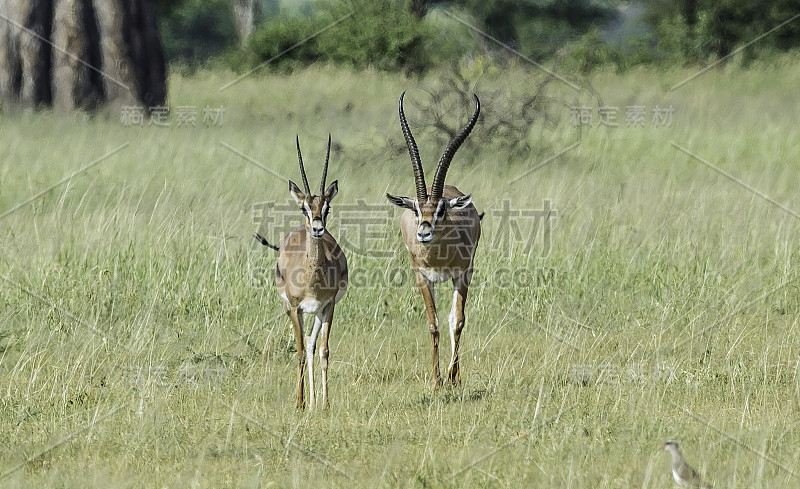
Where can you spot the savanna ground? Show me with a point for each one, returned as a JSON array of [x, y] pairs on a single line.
[[143, 344]]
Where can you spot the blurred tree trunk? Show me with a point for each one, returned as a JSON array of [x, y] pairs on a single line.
[[80, 54], [24, 61], [244, 14]]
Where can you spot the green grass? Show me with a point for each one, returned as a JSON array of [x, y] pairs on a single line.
[[140, 345]]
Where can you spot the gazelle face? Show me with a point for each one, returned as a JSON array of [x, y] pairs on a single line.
[[314, 207], [430, 213]]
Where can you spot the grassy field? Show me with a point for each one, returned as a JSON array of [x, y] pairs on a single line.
[[142, 343]]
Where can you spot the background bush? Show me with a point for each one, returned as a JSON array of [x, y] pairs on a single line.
[[382, 35], [192, 31], [412, 36]]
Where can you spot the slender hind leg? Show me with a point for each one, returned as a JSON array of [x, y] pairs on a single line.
[[323, 354]]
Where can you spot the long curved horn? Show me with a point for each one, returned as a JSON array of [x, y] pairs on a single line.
[[325, 168], [413, 151], [447, 157], [302, 169]]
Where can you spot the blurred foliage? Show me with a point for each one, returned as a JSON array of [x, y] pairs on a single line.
[[539, 28], [281, 34], [382, 35], [591, 52], [694, 32], [413, 36], [390, 35], [192, 31], [448, 39], [724, 25]]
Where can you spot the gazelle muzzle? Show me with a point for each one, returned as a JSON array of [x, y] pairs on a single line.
[[317, 228], [425, 232]]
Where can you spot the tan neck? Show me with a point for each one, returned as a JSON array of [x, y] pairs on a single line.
[[315, 258]]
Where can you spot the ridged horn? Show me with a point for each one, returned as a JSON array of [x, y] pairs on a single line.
[[413, 151], [302, 168], [447, 157], [325, 168]]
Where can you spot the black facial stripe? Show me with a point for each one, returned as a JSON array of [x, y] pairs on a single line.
[[440, 209]]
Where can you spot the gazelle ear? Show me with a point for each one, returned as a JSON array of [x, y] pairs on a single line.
[[296, 193], [460, 202], [332, 190], [404, 202]]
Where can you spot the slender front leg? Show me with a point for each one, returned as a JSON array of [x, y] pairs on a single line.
[[297, 322], [428, 295], [311, 346], [457, 318], [323, 353]]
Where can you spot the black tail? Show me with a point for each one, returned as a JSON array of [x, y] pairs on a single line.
[[265, 242]]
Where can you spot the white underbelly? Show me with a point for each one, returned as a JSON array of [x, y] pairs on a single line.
[[310, 305]]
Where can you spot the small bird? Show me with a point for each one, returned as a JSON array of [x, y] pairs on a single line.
[[681, 471]]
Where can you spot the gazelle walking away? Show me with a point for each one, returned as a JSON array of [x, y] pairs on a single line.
[[440, 229], [311, 277]]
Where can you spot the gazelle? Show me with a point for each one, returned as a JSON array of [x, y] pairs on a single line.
[[311, 277], [440, 229]]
